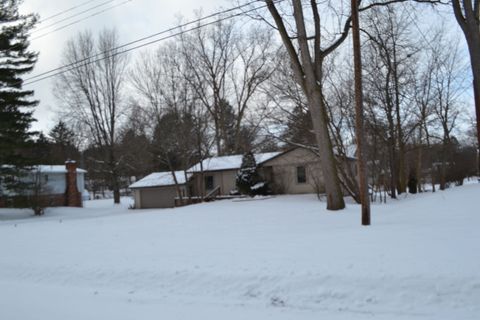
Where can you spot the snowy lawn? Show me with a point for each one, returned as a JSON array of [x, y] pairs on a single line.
[[279, 258]]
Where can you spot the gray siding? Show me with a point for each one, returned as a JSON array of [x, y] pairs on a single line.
[[226, 179], [156, 197]]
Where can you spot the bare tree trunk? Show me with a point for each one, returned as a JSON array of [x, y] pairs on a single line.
[[327, 158], [115, 184], [177, 185], [359, 127], [432, 173], [418, 167], [443, 167], [401, 175], [308, 74], [468, 17], [393, 168]]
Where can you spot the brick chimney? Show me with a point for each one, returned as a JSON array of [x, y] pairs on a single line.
[[72, 196]]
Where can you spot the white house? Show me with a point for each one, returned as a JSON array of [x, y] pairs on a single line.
[[54, 178], [61, 185]]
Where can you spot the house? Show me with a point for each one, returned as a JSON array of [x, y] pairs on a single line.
[[219, 173], [294, 171], [158, 189], [59, 185]]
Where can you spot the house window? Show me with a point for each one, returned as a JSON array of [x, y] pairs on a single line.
[[301, 175], [208, 182]]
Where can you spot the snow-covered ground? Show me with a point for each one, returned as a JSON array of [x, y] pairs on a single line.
[[277, 258]]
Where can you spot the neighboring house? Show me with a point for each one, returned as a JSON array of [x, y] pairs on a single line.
[[294, 171], [158, 190], [61, 185]]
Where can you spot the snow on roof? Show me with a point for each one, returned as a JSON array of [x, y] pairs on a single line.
[[159, 179], [230, 162], [54, 169], [49, 168]]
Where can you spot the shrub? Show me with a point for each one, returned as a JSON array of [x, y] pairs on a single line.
[[248, 180]]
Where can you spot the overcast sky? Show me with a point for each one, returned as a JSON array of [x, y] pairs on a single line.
[[133, 19]]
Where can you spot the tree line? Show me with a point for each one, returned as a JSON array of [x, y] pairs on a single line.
[[273, 81]]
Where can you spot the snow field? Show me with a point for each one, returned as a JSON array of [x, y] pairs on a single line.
[[279, 258]]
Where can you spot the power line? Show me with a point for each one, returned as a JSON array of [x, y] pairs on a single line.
[[80, 20], [66, 10], [76, 64], [413, 19], [72, 16]]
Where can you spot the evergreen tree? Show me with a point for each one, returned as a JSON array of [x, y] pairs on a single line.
[[299, 129], [248, 179], [15, 61], [41, 150], [62, 135], [62, 146]]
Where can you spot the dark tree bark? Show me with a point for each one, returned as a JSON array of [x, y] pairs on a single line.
[[467, 13], [359, 127]]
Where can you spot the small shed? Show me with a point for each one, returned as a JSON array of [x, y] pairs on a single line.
[[158, 189]]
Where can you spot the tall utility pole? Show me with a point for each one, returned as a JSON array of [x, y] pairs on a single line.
[[359, 130]]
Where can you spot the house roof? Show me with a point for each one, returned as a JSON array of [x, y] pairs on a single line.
[[159, 179], [49, 168], [54, 169], [230, 162]]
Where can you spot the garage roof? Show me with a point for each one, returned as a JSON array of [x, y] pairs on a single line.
[[159, 179]]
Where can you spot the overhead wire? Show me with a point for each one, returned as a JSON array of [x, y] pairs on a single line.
[[80, 20], [72, 16], [104, 54], [65, 11]]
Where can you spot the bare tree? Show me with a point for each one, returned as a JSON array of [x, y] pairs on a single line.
[[447, 77], [91, 94], [226, 67], [424, 97], [253, 66], [209, 56], [308, 70], [178, 119], [389, 80], [134, 143]]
